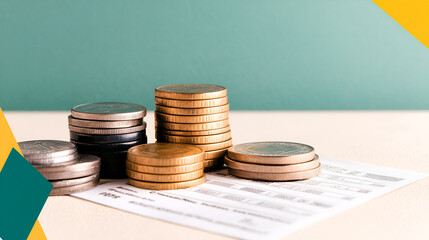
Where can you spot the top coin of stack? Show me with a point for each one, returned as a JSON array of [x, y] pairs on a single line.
[[194, 114], [273, 161], [165, 166], [59, 162], [108, 130]]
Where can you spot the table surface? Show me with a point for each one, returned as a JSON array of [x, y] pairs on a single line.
[[397, 139]]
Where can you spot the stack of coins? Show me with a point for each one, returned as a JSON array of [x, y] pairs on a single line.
[[108, 130], [195, 114], [273, 161], [59, 162], [165, 166]]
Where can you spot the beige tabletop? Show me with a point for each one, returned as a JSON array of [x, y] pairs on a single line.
[[397, 139]]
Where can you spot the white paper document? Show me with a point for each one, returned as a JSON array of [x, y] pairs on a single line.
[[248, 209]]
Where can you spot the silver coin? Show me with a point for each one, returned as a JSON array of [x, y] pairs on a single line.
[[74, 189], [108, 131], [86, 165], [42, 149], [272, 152], [70, 175], [104, 124], [109, 111], [74, 181], [272, 177], [56, 161]]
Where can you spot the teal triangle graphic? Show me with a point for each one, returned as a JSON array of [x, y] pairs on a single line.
[[23, 192]]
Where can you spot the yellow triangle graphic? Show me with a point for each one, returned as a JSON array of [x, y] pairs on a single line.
[[413, 15], [37, 232], [7, 142]]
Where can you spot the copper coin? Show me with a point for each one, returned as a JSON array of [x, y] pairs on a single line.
[[165, 154], [191, 103], [165, 177], [109, 111], [216, 153], [165, 170], [104, 124], [192, 133], [289, 176], [108, 131], [214, 168], [215, 146], [191, 119], [278, 153], [190, 91], [192, 111], [272, 168], [194, 139], [213, 162], [166, 186]]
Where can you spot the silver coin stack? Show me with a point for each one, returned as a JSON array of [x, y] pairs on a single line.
[[59, 162], [108, 130]]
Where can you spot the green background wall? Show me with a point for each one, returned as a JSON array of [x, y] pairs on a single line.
[[300, 54]]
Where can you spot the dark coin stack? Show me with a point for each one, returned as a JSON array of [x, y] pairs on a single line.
[[108, 130], [59, 162], [273, 161], [195, 114]]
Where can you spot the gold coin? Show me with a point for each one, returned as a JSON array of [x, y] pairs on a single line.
[[167, 186], [215, 146], [194, 139], [216, 153], [213, 162], [165, 177], [190, 91], [192, 126], [192, 133], [272, 168], [192, 111], [165, 170], [191, 103], [276, 176], [165, 154], [191, 119], [108, 131], [277, 153]]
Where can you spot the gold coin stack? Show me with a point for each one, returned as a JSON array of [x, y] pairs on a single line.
[[273, 161], [165, 166], [195, 114]]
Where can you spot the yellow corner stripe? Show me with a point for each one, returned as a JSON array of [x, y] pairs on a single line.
[[413, 15], [7, 142], [37, 232]]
